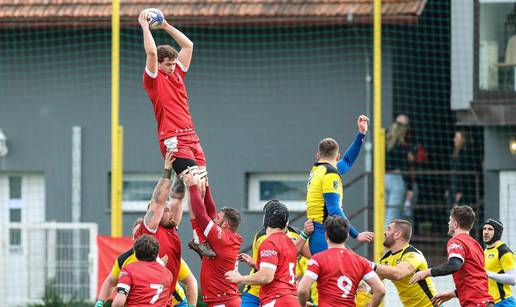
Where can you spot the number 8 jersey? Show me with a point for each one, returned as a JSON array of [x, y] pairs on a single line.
[[338, 271], [145, 284], [278, 253]]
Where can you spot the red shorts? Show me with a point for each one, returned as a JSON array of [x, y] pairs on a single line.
[[234, 302], [284, 301], [184, 146]]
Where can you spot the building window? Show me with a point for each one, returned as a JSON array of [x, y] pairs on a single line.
[[497, 45], [138, 189], [15, 187], [288, 188], [15, 213]]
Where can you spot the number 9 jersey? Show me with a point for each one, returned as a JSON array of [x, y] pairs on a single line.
[[338, 271]]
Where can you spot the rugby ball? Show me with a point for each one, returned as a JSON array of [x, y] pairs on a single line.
[[155, 17]]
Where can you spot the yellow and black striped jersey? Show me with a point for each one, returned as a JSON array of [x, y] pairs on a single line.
[[499, 259], [129, 257], [416, 295], [324, 178]]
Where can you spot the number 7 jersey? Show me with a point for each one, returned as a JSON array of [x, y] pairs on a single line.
[[338, 271], [278, 253], [145, 284]]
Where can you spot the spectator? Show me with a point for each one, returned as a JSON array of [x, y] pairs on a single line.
[[418, 156], [462, 188], [397, 186]]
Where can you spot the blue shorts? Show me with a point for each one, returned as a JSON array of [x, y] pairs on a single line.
[[317, 241], [184, 303], [249, 300], [508, 302]]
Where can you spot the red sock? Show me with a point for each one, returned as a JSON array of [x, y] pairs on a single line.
[[198, 231]]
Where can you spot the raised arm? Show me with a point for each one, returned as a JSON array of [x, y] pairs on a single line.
[[185, 54], [176, 197], [149, 45], [211, 207], [159, 196], [198, 208], [344, 164]]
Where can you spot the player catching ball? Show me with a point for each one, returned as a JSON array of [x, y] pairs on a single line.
[[163, 80]]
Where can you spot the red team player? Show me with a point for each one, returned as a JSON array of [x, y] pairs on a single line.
[[220, 230], [338, 271], [159, 222], [465, 262], [277, 257], [163, 80], [145, 282]]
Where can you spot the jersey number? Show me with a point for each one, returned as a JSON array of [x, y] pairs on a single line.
[[159, 289], [345, 284], [291, 271]]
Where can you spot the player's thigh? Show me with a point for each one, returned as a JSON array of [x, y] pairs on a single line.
[[199, 155], [317, 241], [180, 146], [249, 300], [192, 143]]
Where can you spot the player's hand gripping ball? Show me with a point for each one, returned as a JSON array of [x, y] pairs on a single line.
[[155, 17]]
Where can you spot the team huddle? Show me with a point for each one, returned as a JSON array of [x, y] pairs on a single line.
[[312, 267]]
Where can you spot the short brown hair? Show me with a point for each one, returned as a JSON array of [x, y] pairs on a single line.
[[337, 228], [464, 215], [146, 248], [232, 216], [405, 227], [166, 51], [328, 148]]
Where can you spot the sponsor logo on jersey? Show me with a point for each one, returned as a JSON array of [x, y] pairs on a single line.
[[490, 256], [335, 184], [268, 253], [312, 262], [454, 246]]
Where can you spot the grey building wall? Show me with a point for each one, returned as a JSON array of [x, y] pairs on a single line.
[[256, 108], [497, 158], [462, 36]]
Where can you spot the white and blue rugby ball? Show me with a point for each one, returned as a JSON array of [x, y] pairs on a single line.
[[155, 17]]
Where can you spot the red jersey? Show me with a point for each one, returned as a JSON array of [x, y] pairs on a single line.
[[279, 253], [226, 244], [338, 272], [169, 244], [471, 279], [146, 283], [170, 102]]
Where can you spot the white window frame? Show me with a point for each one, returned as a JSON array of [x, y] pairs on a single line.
[[254, 202], [141, 205]]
